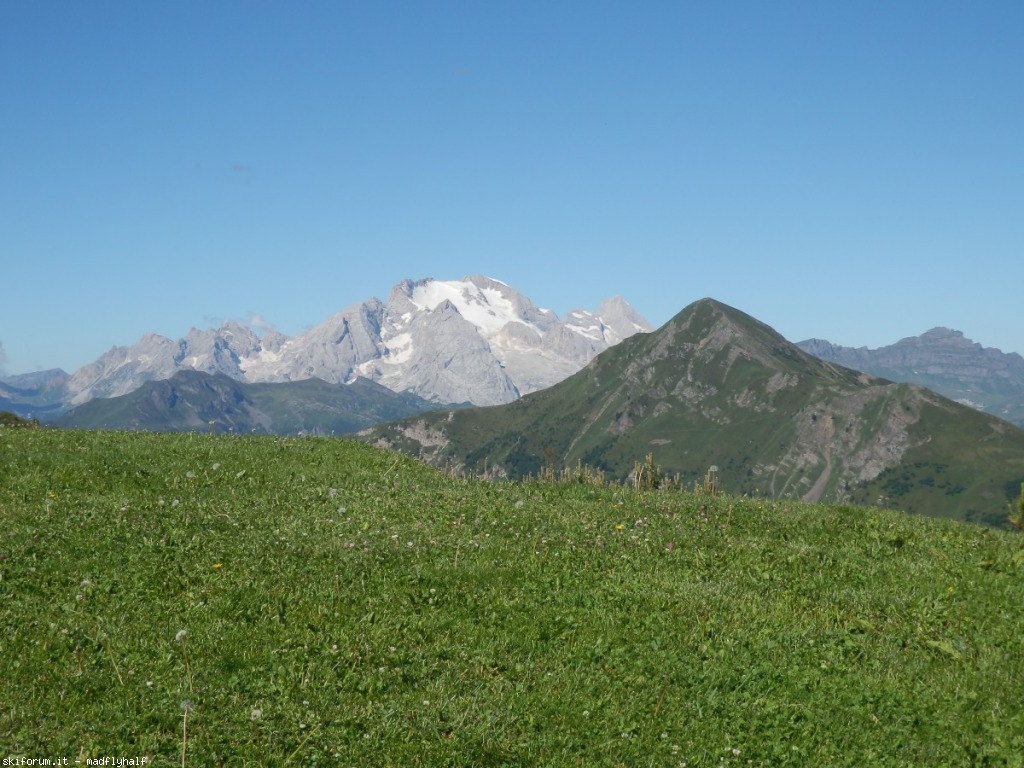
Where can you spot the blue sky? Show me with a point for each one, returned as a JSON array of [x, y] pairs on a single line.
[[850, 171]]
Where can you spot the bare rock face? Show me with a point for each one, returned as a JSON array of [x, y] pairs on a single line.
[[475, 340]]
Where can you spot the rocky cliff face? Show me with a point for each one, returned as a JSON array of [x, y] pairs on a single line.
[[475, 340]]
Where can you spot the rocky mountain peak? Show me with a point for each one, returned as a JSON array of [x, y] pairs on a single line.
[[475, 340]]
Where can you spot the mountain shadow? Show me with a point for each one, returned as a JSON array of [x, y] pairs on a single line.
[[192, 400]]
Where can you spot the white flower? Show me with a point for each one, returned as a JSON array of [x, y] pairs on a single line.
[[181, 635], [256, 714]]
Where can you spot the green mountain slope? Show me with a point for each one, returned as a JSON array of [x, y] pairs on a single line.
[[715, 387], [192, 400]]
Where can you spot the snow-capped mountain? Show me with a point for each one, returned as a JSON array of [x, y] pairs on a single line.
[[474, 340]]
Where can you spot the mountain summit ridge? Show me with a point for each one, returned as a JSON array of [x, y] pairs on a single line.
[[474, 340]]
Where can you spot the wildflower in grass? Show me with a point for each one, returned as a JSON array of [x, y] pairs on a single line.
[[218, 566], [256, 714], [180, 638]]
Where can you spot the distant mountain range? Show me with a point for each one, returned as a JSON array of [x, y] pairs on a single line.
[[475, 340], [716, 388], [37, 395], [205, 402], [713, 387], [942, 360]]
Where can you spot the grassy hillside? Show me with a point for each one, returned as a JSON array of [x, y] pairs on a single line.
[[716, 387], [226, 600]]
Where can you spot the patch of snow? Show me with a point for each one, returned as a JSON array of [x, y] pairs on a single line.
[[486, 308], [400, 348], [263, 364], [589, 331]]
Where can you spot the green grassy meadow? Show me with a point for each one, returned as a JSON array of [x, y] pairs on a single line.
[[225, 600]]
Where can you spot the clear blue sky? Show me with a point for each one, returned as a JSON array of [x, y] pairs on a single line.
[[846, 170]]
